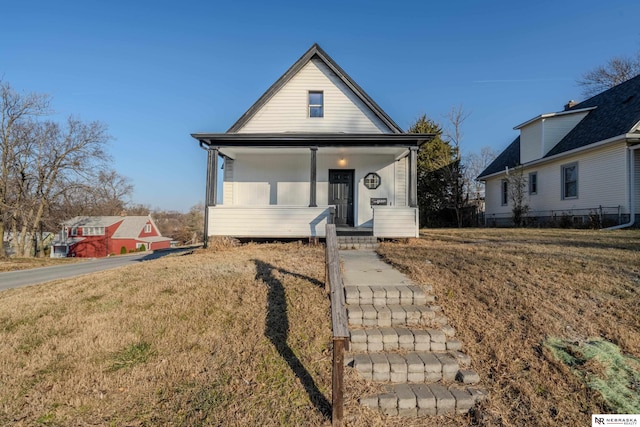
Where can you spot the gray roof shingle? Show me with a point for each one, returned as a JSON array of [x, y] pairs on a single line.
[[617, 112]]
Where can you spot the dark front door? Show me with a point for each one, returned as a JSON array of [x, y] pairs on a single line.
[[341, 195]]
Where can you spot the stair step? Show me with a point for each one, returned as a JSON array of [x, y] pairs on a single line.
[[417, 400], [357, 239], [395, 315], [414, 367], [356, 246], [387, 338], [384, 295]]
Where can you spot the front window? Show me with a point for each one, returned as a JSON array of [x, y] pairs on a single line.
[[533, 183], [504, 188], [316, 104], [570, 181]]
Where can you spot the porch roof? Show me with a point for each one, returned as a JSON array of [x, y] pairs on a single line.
[[291, 140]]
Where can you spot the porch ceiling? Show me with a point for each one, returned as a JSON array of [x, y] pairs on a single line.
[[392, 151]]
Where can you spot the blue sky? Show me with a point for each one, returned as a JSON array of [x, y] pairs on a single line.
[[157, 71]]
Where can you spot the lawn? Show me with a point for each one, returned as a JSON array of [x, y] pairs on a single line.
[[13, 264], [241, 335], [521, 299]]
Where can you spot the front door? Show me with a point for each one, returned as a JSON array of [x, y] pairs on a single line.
[[341, 195]]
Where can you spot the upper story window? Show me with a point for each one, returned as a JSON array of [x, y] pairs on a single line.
[[93, 231], [147, 228], [74, 231], [504, 192], [570, 181], [533, 183], [316, 104]]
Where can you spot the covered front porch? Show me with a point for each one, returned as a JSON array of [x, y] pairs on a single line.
[[290, 186]]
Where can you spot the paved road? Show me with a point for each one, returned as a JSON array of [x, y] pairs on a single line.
[[16, 279]]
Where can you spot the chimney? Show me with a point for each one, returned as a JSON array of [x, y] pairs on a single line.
[[569, 105]]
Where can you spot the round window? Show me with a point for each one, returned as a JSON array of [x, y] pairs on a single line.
[[372, 181]]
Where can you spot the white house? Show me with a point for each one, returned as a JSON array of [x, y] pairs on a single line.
[[581, 164], [314, 148]]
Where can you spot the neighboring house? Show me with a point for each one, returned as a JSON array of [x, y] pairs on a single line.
[[314, 148], [581, 164], [100, 236]]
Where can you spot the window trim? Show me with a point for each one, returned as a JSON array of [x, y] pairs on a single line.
[[318, 107], [564, 182], [533, 183], [504, 192]]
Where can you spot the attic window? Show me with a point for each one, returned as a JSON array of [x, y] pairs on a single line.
[[147, 228], [316, 104]]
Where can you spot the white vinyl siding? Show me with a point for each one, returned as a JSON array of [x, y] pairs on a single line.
[[401, 182], [539, 137], [602, 181], [268, 221], [227, 185], [531, 142], [287, 110], [395, 222], [261, 179]]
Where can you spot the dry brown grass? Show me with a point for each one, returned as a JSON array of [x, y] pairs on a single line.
[[240, 335], [13, 264], [237, 336], [506, 291]]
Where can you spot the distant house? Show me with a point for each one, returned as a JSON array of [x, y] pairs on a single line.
[[314, 148], [581, 164], [100, 236]]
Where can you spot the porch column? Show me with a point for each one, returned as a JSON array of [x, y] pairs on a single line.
[[313, 177], [413, 177], [212, 177], [211, 196]]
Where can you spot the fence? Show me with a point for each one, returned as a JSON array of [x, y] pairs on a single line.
[[597, 217], [339, 322]]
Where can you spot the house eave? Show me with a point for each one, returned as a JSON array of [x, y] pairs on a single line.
[[630, 137], [290, 140], [547, 115]]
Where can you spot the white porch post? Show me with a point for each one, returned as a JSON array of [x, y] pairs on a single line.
[[413, 177], [313, 177]]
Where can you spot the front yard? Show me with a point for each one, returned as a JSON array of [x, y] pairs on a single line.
[[241, 335]]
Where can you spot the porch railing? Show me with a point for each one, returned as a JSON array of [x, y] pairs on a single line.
[[339, 322]]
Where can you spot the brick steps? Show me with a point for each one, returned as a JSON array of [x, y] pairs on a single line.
[[357, 242], [415, 367], [387, 295], [395, 315], [416, 400], [399, 338]]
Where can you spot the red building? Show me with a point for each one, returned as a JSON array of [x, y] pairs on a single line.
[[100, 236]]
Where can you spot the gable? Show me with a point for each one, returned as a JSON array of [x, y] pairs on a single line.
[[287, 110], [284, 107]]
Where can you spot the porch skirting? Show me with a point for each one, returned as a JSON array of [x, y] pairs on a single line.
[[302, 221], [269, 221], [395, 221]]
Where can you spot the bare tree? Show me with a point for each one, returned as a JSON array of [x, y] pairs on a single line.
[[517, 193], [617, 70], [455, 170], [474, 164], [14, 109], [58, 160]]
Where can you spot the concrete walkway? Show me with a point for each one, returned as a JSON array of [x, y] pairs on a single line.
[[399, 337]]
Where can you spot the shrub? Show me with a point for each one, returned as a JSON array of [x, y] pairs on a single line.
[[142, 248], [123, 250]]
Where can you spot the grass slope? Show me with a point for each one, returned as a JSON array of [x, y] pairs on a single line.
[[507, 291], [234, 337]]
